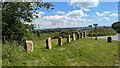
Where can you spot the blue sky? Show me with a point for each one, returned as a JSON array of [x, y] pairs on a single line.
[[77, 14]]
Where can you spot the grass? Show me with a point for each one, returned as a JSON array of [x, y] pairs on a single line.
[[83, 52]]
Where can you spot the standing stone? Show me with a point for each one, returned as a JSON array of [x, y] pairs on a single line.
[[29, 46], [60, 41], [81, 35], [73, 37], [68, 39], [84, 34], [78, 35], [48, 43], [109, 39]]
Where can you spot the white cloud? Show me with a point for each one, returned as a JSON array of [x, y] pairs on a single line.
[[84, 3], [55, 17], [114, 14], [116, 11], [60, 12], [85, 9], [68, 19], [77, 13], [70, 16], [102, 14], [106, 12], [39, 14], [98, 14], [105, 18]]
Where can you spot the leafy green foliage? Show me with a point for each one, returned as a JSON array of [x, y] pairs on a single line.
[[13, 16], [116, 26], [102, 31], [54, 34]]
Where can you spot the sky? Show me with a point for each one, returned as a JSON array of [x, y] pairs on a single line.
[[77, 14]]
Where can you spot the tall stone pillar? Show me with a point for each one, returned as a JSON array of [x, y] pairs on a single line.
[[48, 43], [68, 39], [60, 41], [73, 37]]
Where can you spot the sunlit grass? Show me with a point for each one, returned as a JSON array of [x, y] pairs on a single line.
[[83, 52]]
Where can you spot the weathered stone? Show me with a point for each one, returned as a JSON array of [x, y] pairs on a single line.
[[109, 39], [48, 43], [60, 41], [29, 47], [73, 37], [68, 39], [78, 35], [84, 34], [81, 35]]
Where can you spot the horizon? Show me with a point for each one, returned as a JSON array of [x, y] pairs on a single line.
[[68, 27]]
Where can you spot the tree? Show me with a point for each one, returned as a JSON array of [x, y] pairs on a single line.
[[116, 26], [14, 13]]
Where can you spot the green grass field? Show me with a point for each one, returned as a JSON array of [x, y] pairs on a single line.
[[83, 52]]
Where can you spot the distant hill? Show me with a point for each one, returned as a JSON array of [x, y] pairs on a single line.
[[71, 28], [68, 28]]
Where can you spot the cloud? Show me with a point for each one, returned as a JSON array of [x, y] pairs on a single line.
[[71, 15], [39, 14], [98, 14], [68, 19], [77, 13], [84, 3], [116, 11], [105, 18], [85, 9], [60, 12], [55, 18], [102, 14], [105, 12], [114, 14]]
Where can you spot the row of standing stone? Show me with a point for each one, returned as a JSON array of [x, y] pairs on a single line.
[[49, 41], [29, 46]]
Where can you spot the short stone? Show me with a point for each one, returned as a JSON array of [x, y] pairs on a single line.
[[109, 39], [29, 47]]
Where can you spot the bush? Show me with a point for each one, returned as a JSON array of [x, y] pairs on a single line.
[[116, 26], [103, 32]]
